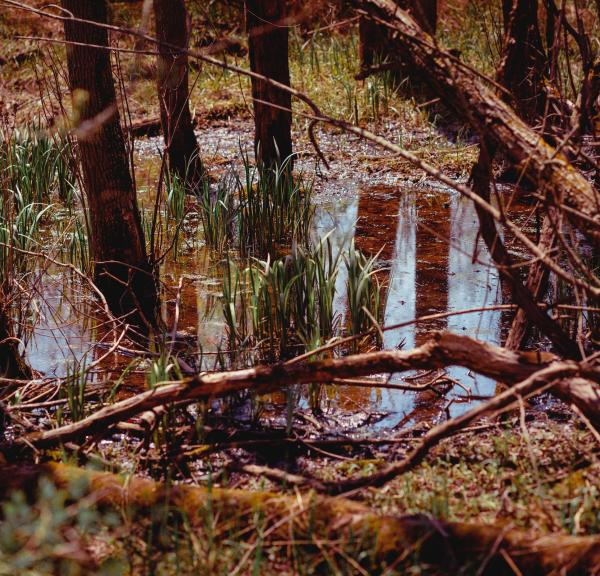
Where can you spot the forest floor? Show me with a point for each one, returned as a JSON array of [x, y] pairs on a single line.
[[536, 468]]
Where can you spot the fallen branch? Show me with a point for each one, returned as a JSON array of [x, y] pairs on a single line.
[[444, 349], [462, 90], [535, 384]]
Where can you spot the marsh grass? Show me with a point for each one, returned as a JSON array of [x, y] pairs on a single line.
[[73, 389], [175, 209], [275, 209], [327, 63], [286, 306], [36, 173], [36, 165], [364, 293], [259, 213], [218, 212]]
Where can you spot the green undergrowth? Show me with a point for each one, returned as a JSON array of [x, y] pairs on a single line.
[[546, 479]]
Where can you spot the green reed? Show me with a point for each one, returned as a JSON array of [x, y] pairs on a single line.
[[283, 305], [218, 213], [364, 292], [260, 213]]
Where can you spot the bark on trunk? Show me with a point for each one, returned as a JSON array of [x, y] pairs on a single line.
[[496, 550], [524, 64], [121, 267], [548, 169], [172, 32], [12, 364], [268, 51], [375, 41]]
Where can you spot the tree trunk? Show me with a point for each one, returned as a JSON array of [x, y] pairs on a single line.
[[172, 30], [547, 168], [375, 43], [122, 270], [268, 51], [524, 65], [12, 364]]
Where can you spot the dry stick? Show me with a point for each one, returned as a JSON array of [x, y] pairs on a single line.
[[481, 176], [271, 473], [536, 281], [442, 350]]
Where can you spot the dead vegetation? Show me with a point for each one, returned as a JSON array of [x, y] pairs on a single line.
[[505, 485]]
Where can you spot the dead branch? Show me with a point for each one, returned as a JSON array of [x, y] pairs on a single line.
[[536, 283], [481, 177], [442, 350], [536, 383], [460, 89]]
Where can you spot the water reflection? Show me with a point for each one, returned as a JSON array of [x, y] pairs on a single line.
[[436, 263], [433, 262]]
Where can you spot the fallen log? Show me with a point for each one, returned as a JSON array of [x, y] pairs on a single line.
[[145, 127], [443, 349], [462, 90], [494, 550]]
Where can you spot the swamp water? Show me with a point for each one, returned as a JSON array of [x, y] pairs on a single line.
[[430, 258]]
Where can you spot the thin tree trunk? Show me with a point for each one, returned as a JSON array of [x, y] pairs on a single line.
[[537, 282], [268, 51], [122, 270], [375, 42], [481, 177], [524, 65], [522, 71], [172, 30], [12, 364]]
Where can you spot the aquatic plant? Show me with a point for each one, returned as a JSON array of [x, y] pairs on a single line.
[[233, 294], [36, 165], [275, 209], [176, 192], [78, 247], [283, 304], [364, 292], [73, 389], [217, 212], [260, 213], [162, 369]]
